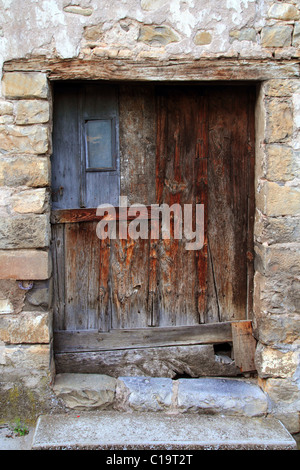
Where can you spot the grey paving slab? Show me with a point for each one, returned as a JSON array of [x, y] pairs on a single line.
[[114, 430]]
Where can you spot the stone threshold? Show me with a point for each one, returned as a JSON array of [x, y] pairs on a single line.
[[211, 396], [112, 430]]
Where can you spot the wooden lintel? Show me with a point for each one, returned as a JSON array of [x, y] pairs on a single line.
[[146, 69]]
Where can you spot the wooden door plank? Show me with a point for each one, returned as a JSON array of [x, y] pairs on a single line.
[[82, 254], [180, 179], [251, 204], [74, 341], [129, 278], [229, 177], [137, 142], [66, 149], [201, 197], [244, 345], [58, 258], [104, 286]]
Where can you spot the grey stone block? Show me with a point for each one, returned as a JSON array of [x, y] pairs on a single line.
[[144, 393], [224, 396]]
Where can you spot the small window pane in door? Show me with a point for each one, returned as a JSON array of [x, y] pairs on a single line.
[[99, 144]]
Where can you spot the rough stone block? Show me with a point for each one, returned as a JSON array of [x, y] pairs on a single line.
[[12, 298], [296, 109], [272, 329], [282, 391], [282, 163], [32, 112], [78, 10], [157, 35], [32, 139], [25, 327], [275, 295], [85, 391], [93, 33], [278, 200], [296, 35], [273, 230], [143, 393], [24, 231], [276, 36], [274, 362], [283, 11], [224, 396], [279, 121], [278, 87], [6, 108], [40, 296], [278, 259], [25, 265], [22, 85], [149, 5], [24, 171], [245, 34], [202, 38], [30, 201], [5, 306], [26, 363]]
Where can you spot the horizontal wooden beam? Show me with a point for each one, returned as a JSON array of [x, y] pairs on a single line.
[[147, 69], [93, 340]]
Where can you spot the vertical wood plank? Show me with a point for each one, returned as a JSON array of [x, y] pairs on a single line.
[[244, 345], [105, 288], [58, 257], [201, 197], [228, 199], [251, 203], [180, 179], [129, 277], [66, 149], [82, 254], [137, 142]]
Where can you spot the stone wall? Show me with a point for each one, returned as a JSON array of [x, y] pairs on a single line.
[[252, 39]]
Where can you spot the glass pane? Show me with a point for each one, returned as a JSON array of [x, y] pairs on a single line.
[[99, 147]]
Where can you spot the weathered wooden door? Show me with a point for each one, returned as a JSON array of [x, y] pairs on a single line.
[[149, 306]]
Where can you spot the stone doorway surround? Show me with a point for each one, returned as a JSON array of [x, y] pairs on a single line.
[[25, 139]]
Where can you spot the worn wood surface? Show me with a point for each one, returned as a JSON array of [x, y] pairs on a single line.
[[181, 178], [244, 345], [76, 272], [71, 216], [174, 361], [72, 341], [72, 186], [137, 142], [145, 69], [230, 182], [197, 146]]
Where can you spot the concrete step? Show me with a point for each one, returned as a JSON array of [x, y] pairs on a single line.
[[113, 430], [232, 397]]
